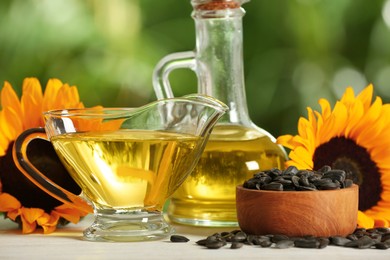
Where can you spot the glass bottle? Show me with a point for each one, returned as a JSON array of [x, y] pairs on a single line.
[[237, 148]]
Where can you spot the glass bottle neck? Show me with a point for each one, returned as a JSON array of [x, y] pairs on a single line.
[[219, 58]]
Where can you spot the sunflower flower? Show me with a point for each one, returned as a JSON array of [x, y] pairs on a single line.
[[20, 200], [353, 136]]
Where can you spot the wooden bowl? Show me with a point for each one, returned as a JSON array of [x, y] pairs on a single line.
[[298, 213]]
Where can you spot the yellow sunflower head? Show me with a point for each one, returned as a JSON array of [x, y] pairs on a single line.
[[20, 199], [353, 136]]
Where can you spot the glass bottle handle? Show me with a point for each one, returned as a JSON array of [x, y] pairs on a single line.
[[19, 153], [165, 66]]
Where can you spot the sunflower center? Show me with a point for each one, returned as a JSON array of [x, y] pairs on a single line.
[[41, 153], [343, 153]]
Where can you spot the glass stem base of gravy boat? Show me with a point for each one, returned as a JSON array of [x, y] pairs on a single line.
[[127, 226]]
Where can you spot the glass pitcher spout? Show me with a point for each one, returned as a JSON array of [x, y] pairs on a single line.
[[193, 114]]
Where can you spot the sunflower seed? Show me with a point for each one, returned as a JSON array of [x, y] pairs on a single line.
[[325, 168], [383, 230], [202, 242], [277, 238], [324, 242], [215, 244], [305, 173], [239, 237], [363, 242], [305, 188], [179, 239], [295, 181], [252, 240], [347, 183], [292, 170], [377, 237], [283, 181], [335, 175], [381, 245], [386, 236], [304, 181], [352, 237], [307, 243], [301, 180], [339, 241], [286, 243], [236, 245], [273, 186], [329, 186], [360, 238], [262, 240], [266, 243]]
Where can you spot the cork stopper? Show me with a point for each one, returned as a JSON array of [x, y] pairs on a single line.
[[214, 5]]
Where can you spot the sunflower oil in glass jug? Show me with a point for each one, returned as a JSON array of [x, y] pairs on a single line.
[[237, 148]]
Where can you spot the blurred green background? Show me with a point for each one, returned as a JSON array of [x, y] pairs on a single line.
[[295, 51]]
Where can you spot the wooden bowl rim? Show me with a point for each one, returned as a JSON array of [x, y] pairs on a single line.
[[241, 188]]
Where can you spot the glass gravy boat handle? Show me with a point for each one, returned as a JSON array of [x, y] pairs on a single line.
[[165, 66], [25, 166]]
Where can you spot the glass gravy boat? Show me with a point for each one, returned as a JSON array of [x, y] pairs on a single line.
[[127, 161]]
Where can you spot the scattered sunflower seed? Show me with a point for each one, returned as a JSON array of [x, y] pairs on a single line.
[[376, 238], [179, 239], [236, 245]]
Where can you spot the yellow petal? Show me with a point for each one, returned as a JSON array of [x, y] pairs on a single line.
[[325, 108], [73, 95], [69, 213], [368, 119], [312, 120], [365, 221], [8, 202], [43, 219], [29, 217], [51, 90], [31, 102], [48, 222], [13, 125], [385, 196], [32, 214], [10, 99], [355, 113], [13, 214], [301, 155], [285, 140], [320, 123], [67, 97], [365, 96], [333, 125], [47, 229], [4, 142], [306, 143], [348, 97], [380, 222], [340, 117], [380, 153], [305, 129], [27, 227]]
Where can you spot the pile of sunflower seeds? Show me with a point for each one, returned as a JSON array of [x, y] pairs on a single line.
[[375, 238], [292, 179]]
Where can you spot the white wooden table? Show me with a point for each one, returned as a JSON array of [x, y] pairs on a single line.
[[67, 243]]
